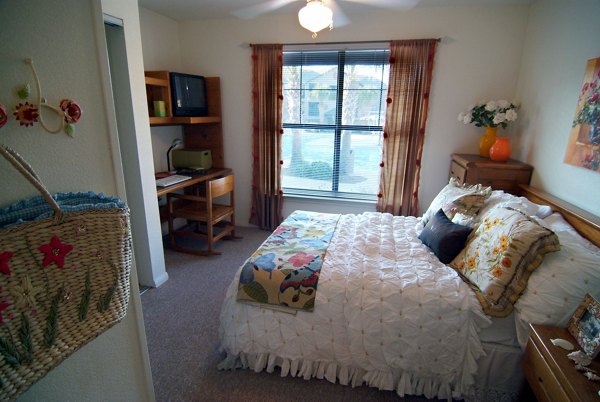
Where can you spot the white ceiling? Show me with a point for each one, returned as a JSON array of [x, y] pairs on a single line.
[[181, 10]]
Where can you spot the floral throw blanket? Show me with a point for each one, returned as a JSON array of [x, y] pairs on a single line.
[[285, 270]]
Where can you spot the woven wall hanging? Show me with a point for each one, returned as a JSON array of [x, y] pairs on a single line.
[[65, 262]]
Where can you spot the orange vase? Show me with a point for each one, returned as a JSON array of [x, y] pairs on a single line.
[[486, 141], [500, 151]]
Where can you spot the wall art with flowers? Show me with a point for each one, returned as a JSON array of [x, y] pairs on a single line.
[[583, 148]]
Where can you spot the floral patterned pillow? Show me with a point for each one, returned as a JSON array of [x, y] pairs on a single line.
[[460, 203], [500, 256]]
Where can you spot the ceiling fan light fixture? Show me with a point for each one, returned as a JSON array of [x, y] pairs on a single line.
[[315, 16]]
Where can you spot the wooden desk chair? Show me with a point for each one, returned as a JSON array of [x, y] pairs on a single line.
[[198, 210]]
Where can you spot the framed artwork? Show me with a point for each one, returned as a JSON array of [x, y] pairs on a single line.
[[583, 147], [585, 326]]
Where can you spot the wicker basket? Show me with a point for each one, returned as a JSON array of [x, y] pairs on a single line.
[[65, 262]]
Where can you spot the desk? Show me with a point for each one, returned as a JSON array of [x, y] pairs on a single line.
[[209, 174]]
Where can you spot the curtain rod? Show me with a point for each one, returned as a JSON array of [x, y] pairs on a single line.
[[335, 43]]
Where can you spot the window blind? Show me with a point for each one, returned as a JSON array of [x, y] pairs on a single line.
[[333, 114]]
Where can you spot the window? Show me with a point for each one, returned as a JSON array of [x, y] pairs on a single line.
[[333, 113]]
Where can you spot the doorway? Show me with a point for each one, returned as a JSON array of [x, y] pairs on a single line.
[[150, 266]]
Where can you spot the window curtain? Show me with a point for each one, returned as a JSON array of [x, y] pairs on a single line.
[[411, 66], [267, 130]]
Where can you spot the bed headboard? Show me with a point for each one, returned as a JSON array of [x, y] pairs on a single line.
[[587, 224]]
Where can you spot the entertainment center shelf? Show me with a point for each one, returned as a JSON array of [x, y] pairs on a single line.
[[198, 132]]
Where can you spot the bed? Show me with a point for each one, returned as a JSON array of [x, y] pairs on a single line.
[[389, 314]]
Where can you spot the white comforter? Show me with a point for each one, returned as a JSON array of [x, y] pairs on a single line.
[[388, 313]]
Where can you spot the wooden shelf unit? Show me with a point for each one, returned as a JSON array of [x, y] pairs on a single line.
[[158, 88], [173, 121], [204, 132]]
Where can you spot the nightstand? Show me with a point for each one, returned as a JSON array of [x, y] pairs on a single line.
[[550, 373], [474, 169]]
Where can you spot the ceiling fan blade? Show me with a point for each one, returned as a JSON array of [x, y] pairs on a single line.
[[393, 4], [260, 9], [339, 17]]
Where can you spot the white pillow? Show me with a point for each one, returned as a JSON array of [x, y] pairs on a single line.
[[557, 223], [499, 198], [529, 208], [560, 283]]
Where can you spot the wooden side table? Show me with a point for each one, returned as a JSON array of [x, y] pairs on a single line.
[[550, 373], [474, 169]]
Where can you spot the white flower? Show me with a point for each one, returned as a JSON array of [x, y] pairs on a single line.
[[499, 118], [503, 104], [511, 115], [491, 106], [491, 113]]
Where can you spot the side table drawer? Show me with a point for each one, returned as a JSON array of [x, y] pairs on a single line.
[[475, 169], [542, 381], [519, 176], [458, 172]]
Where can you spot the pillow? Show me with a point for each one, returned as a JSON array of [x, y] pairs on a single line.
[[557, 223], [443, 237], [460, 203], [529, 208], [559, 285], [499, 198], [500, 256]]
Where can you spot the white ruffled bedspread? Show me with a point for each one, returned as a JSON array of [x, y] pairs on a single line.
[[388, 313]]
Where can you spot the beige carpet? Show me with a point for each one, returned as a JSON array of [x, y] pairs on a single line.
[[182, 320]]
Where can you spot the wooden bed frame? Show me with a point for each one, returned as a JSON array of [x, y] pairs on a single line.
[[587, 224]]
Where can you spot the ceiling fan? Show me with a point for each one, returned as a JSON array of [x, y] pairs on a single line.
[[319, 14]]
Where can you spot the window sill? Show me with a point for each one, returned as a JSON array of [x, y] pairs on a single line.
[[326, 199]]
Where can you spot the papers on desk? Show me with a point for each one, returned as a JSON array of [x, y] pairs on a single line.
[[170, 180]]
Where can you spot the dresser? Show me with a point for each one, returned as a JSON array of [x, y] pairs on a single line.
[[474, 169], [550, 373]]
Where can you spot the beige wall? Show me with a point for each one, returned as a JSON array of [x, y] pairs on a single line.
[[487, 53], [160, 43], [478, 58], [561, 37], [60, 37]]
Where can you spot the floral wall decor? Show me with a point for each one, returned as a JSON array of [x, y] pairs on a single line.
[[29, 112], [583, 148]]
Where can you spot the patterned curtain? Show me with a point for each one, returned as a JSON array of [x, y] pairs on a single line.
[[411, 66], [267, 99]]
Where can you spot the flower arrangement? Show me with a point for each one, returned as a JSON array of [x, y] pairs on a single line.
[[490, 114], [589, 98]]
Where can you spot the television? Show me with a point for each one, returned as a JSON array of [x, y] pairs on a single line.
[[188, 95]]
